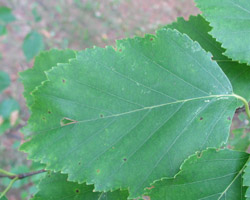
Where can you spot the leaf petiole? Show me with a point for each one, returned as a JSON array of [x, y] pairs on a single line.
[[245, 104]]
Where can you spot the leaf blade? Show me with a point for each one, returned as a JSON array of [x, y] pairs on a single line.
[[211, 175], [230, 22], [127, 123], [56, 186], [197, 28]]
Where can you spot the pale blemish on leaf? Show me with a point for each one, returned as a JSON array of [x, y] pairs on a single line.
[[67, 121]]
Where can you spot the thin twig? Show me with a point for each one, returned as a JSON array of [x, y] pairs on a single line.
[[23, 175]]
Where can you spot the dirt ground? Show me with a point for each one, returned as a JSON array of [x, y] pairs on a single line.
[[75, 24]]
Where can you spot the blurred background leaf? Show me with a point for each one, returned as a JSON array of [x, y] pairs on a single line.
[[32, 45], [4, 80]]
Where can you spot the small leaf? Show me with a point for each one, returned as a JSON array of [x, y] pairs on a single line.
[[138, 115], [9, 110], [197, 28], [230, 20], [32, 45], [4, 80], [3, 30], [211, 175], [55, 186], [246, 180], [36, 16], [6, 15]]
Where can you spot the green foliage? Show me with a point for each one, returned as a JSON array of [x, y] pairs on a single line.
[[3, 198], [113, 97], [230, 20], [32, 44], [4, 80], [56, 186], [108, 123], [5, 18], [9, 109], [197, 28], [210, 175], [246, 181]]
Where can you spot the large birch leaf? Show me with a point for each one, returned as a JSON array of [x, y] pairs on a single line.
[[124, 118], [230, 20], [197, 28], [212, 175], [55, 186]]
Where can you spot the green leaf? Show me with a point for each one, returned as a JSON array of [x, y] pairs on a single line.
[[9, 109], [230, 20], [239, 140], [211, 175], [128, 117], [32, 45], [4, 80], [246, 180], [32, 78], [55, 186], [197, 28], [3, 30], [3, 198], [36, 16], [6, 15]]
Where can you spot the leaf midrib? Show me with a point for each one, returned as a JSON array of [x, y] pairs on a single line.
[[157, 106]]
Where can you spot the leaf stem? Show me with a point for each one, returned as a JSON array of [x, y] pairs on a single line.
[[2, 171], [15, 177], [9, 186], [245, 104]]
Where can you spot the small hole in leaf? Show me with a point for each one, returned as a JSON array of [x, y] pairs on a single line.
[[49, 112], [63, 81], [101, 115], [77, 191], [67, 121], [229, 118], [79, 163], [125, 159], [199, 154], [201, 118]]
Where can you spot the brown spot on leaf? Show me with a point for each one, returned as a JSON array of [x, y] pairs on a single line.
[[63, 81], [201, 118], [98, 171]]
